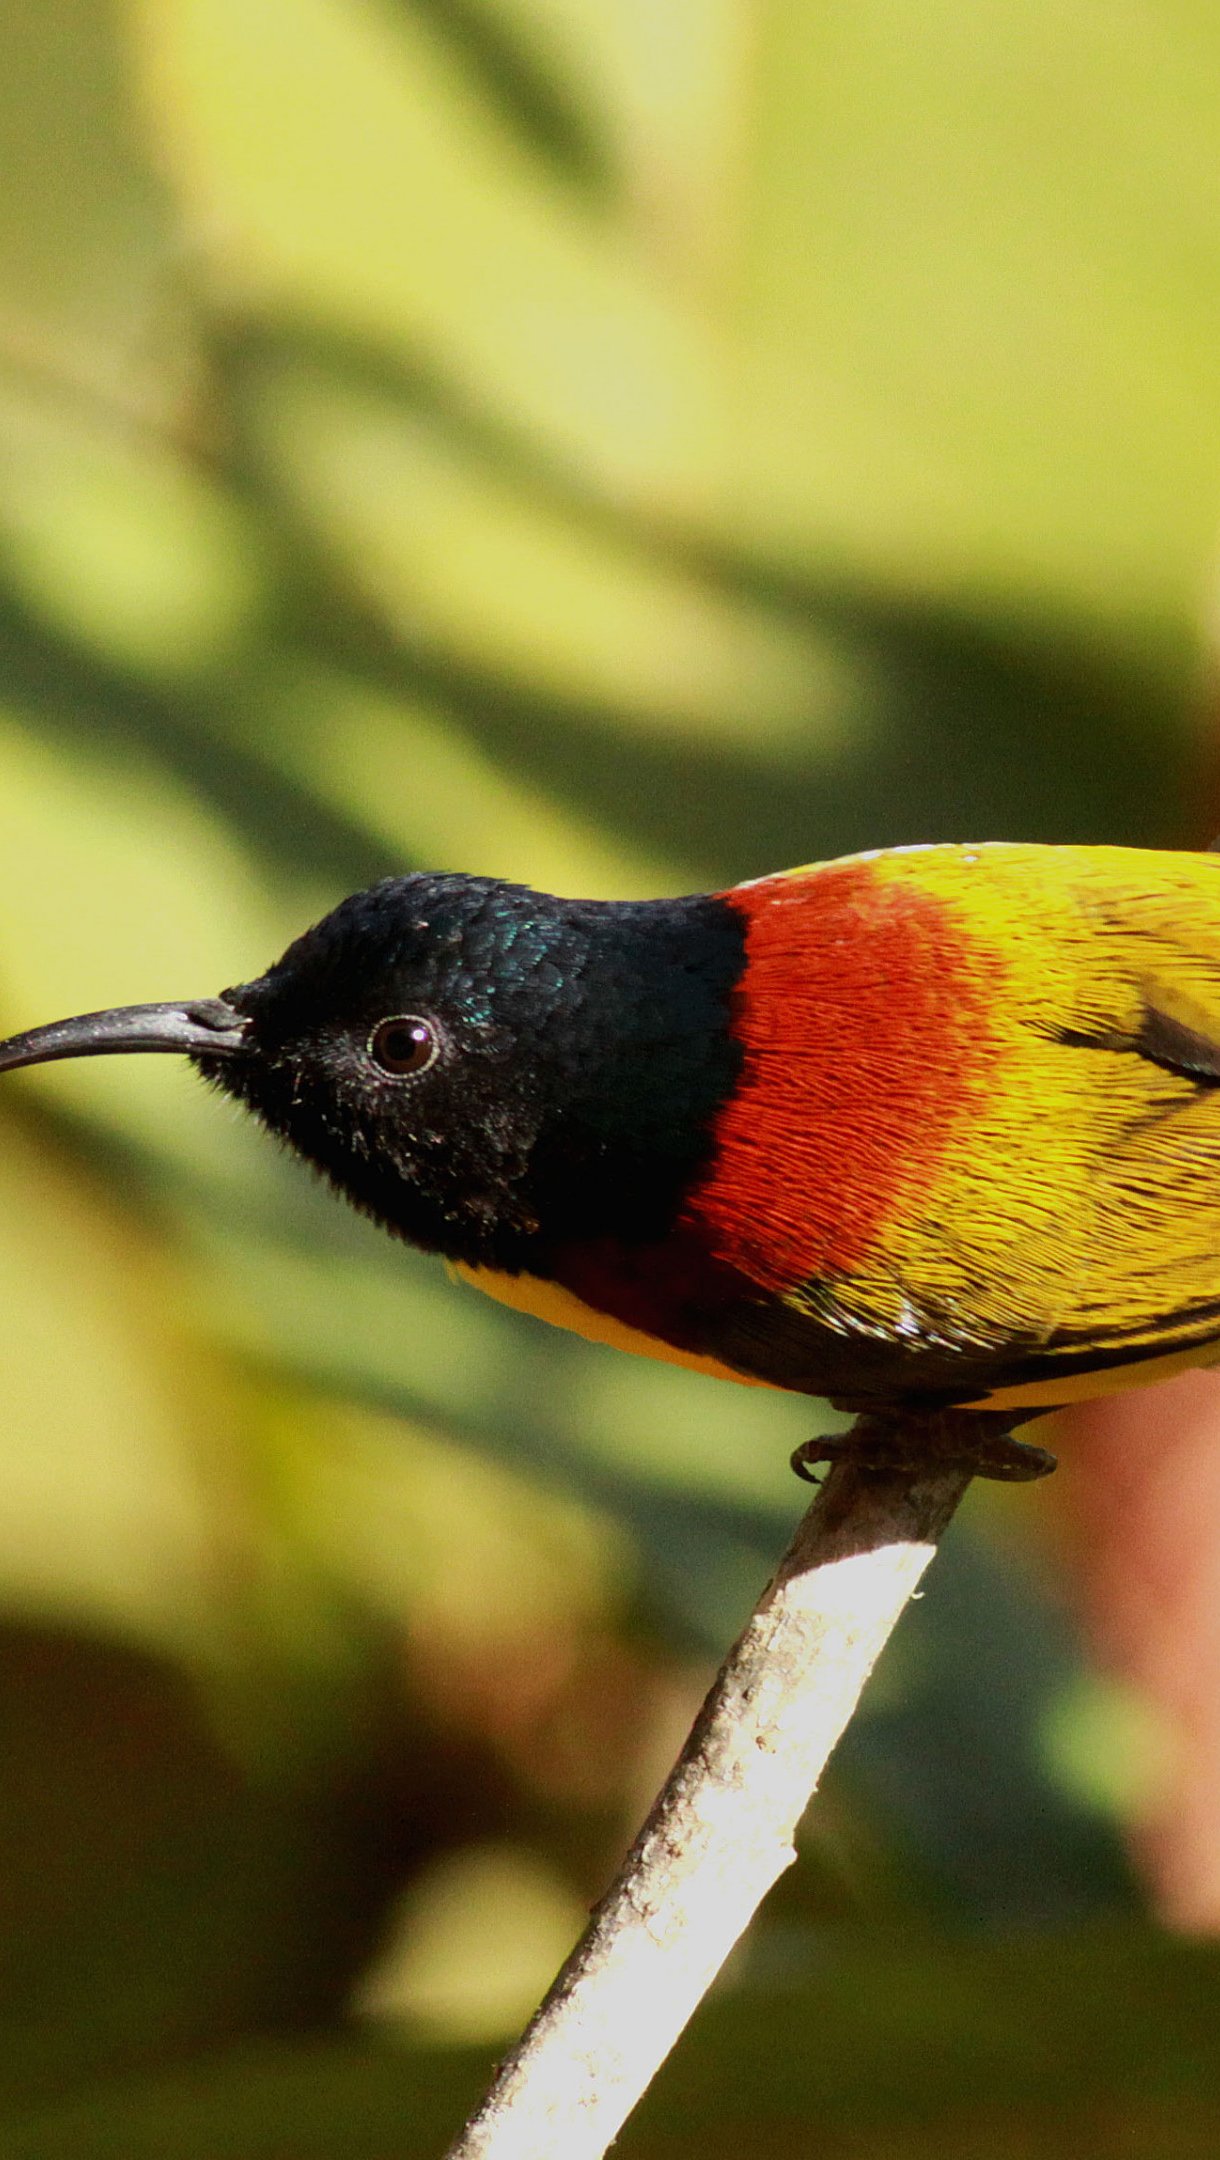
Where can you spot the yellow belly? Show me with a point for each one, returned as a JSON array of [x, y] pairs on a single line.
[[547, 1301]]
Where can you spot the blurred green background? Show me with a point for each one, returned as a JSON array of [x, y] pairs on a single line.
[[627, 445]]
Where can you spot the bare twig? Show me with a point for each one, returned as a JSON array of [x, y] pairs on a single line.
[[721, 1832]]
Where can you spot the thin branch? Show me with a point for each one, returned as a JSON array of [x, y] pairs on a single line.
[[721, 1832]]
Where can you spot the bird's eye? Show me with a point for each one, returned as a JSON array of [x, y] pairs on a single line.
[[403, 1045]]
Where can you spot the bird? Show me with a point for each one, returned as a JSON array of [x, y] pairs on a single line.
[[932, 1132]]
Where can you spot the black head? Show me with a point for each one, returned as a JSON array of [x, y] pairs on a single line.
[[491, 1072]]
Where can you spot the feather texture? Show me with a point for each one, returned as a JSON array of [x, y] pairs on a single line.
[[1052, 1202]]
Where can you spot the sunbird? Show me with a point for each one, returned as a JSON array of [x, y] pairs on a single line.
[[920, 1130]]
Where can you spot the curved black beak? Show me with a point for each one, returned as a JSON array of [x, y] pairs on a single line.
[[206, 1028]]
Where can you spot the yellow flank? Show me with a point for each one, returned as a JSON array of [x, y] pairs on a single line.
[[1076, 1218], [1055, 1393], [548, 1301]]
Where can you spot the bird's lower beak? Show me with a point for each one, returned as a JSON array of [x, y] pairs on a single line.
[[206, 1028]]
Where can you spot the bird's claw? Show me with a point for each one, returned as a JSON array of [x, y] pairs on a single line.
[[978, 1441]]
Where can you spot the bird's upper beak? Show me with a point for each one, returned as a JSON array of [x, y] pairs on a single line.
[[207, 1027]]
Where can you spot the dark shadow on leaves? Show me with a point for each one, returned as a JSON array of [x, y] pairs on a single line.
[[159, 1898], [521, 75]]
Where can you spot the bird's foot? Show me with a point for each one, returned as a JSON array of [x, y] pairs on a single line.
[[980, 1441]]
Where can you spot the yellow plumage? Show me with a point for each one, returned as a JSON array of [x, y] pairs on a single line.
[[1074, 1220]]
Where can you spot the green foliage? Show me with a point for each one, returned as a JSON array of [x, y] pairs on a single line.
[[623, 447]]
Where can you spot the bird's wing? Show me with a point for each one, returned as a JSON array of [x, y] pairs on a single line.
[[1072, 1228], [1139, 1271]]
